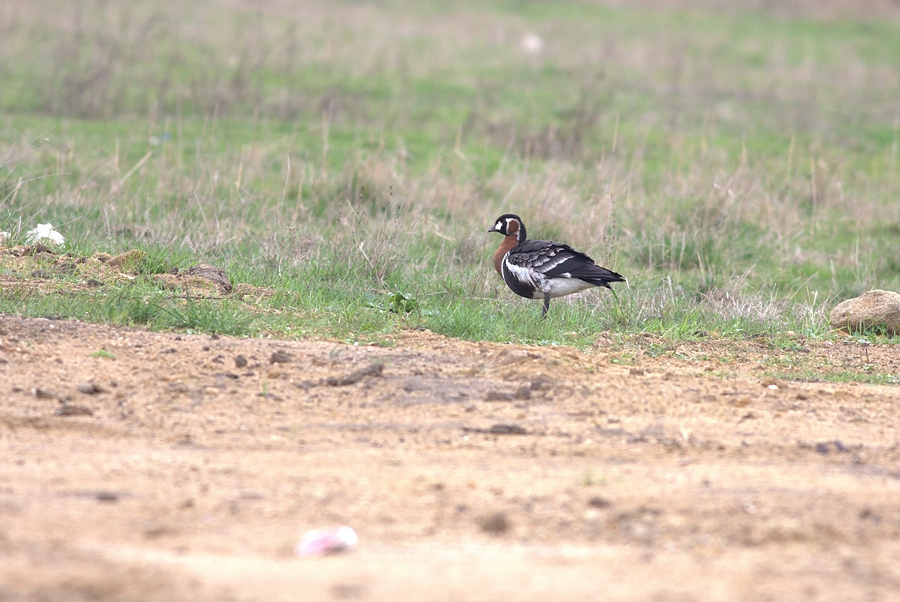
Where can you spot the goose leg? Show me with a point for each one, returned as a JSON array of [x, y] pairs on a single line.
[[546, 305]]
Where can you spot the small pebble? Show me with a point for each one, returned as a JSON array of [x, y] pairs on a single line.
[[70, 410], [240, 361], [107, 497], [89, 388], [43, 394], [507, 429], [280, 357], [495, 523], [522, 393]]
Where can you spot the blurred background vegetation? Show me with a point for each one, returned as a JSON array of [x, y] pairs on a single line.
[[737, 161]]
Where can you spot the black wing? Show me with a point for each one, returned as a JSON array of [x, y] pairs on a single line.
[[556, 260]]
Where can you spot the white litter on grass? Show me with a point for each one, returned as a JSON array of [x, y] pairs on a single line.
[[532, 43], [319, 542], [3, 237], [44, 233]]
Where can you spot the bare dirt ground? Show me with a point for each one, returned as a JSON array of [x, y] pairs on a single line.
[[156, 466]]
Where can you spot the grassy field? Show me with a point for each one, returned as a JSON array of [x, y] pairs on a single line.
[[739, 166]]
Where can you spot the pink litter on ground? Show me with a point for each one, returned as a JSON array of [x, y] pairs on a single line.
[[319, 542]]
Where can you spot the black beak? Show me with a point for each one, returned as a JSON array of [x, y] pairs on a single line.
[[494, 229]]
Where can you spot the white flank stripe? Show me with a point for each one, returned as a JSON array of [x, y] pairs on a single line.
[[525, 276]]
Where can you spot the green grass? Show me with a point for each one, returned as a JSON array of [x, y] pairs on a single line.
[[739, 166], [843, 376]]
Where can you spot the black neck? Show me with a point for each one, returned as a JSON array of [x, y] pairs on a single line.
[[520, 235]]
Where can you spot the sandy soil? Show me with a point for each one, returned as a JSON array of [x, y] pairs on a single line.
[[158, 466]]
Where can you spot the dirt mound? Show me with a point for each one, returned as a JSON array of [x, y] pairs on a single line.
[[42, 268]]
